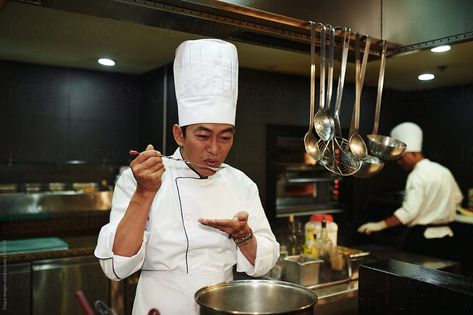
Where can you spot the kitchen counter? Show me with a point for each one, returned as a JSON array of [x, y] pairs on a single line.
[[78, 246], [396, 287], [342, 298], [384, 253]]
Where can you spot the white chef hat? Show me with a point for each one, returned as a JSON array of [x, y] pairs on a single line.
[[410, 134], [206, 81]]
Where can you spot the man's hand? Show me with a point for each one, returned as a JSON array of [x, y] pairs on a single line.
[[237, 227], [371, 227], [148, 169]]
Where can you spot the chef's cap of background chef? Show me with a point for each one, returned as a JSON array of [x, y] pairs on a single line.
[[206, 81], [410, 134]]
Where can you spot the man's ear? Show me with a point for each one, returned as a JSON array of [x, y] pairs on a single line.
[[178, 135]]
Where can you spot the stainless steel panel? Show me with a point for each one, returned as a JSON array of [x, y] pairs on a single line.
[[55, 202], [16, 290], [55, 282]]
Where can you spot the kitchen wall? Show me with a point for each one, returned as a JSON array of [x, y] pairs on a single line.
[[53, 114]]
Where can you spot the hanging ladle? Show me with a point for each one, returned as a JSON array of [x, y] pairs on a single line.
[[324, 126], [383, 147], [357, 145], [370, 165], [310, 142]]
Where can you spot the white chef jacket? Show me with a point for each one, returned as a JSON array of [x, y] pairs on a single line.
[[432, 196], [178, 254]]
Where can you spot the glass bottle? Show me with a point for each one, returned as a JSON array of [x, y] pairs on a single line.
[[292, 237], [300, 237], [324, 243]]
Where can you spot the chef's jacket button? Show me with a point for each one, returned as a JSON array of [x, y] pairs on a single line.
[[188, 216]]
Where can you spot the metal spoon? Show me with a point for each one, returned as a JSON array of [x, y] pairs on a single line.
[[169, 157], [310, 142], [341, 83], [383, 147], [328, 99], [356, 143], [323, 126]]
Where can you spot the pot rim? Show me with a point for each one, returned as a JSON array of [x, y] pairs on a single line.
[[212, 287]]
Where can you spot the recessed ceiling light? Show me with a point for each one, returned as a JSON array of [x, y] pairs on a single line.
[[106, 62], [426, 77], [440, 49]]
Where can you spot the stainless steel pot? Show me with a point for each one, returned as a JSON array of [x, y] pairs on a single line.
[[256, 297]]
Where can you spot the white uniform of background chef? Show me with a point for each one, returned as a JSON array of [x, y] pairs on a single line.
[[186, 226], [431, 198]]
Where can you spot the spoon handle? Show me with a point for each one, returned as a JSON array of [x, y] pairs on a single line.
[[380, 88], [169, 157], [312, 74], [323, 35]]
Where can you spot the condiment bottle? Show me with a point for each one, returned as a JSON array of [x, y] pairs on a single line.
[[310, 246]]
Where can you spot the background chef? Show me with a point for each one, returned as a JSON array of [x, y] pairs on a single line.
[[431, 198], [184, 225]]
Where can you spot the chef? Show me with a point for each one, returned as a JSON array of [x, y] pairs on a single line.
[[431, 198], [185, 225]]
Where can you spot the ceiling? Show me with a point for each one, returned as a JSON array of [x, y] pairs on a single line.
[[35, 34]]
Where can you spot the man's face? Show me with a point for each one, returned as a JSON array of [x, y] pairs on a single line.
[[407, 161], [207, 144]]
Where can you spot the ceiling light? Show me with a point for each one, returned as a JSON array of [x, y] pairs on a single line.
[[440, 49], [426, 77], [106, 62]]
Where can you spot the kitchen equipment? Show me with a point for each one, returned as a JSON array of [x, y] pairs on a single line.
[[383, 147], [304, 188], [17, 288], [169, 157], [328, 99], [55, 283], [256, 297], [335, 155], [356, 143], [341, 81], [370, 166], [302, 270], [354, 258], [310, 142], [324, 127], [44, 204]]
